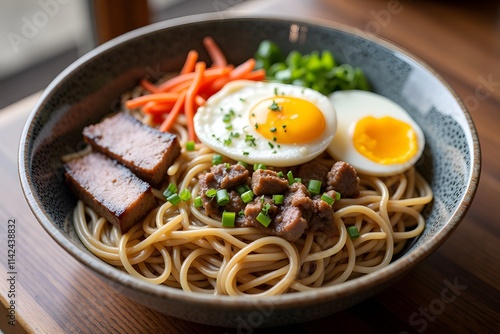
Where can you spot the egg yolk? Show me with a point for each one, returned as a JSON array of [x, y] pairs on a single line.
[[287, 120], [385, 140]]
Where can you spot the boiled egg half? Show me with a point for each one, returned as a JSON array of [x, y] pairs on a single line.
[[271, 123], [375, 135]]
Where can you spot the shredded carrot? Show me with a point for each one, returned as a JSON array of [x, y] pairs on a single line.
[[142, 100], [167, 124], [157, 108], [149, 86], [215, 53], [257, 75], [189, 108], [190, 89], [167, 85], [190, 62]]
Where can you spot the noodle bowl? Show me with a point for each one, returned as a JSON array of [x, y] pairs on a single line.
[[181, 247]]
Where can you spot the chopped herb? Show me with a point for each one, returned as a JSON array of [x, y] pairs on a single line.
[[242, 188], [216, 159], [278, 199], [190, 146], [263, 219], [246, 153], [256, 126], [222, 197], [298, 180], [274, 152], [314, 187], [353, 232], [243, 163], [273, 129], [328, 199], [275, 107], [241, 213], [234, 134], [171, 189], [229, 127], [274, 138], [247, 196], [283, 126], [289, 175], [227, 142], [174, 199], [185, 195], [242, 99], [198, 203], [337, 196], [265, 208], [228, 219], [226, 118], [280, 174], [270, 145], [211, 193], [259, 166], [276, 91], [250, 140]]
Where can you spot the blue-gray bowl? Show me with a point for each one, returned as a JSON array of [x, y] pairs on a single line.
[[89, 89]]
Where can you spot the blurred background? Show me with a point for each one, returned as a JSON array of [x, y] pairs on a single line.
[[39, 38]]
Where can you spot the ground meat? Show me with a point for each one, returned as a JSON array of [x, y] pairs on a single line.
[[322, 217], [312, 171], [267, 182], [229, 176], [223, 177], [344, 179]]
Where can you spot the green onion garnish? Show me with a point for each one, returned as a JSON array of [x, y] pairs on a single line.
[[259, 166], [247, 196], [314, 187], [263, 219], [243, 163], [274, 106], [273, 129], [171, 189], [280, 174], [328, 199], [353, 232], [278, 199], [228, 219], [198, 203], [222, 197], [211, 193], [337, 196], [265, 208], [190, 146], [174, 199], [291, 180], [216, 159], [185, 195], [246, 153]]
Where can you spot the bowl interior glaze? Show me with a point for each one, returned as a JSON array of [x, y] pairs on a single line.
[[89, 89]]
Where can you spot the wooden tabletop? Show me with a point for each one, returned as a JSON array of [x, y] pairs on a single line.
[[455, 290]]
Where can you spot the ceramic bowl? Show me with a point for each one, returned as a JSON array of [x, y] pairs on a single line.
[[89, 89]]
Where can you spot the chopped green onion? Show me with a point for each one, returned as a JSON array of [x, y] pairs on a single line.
[[280, 174], [246, 153], [174, 199], [241, 188], [314, 187], [265, 208], [222, 197], [274, 106], [228, 219], [291, 180], [353, 232], [243, 163], [247, 196], [185, 195], [190, 146], [171, 189], [328, 199], [273, 129], [271, 145], [216, 159], [241, 213], [278, 199], [263, 219], [198, 203], [211, 193], [297, 180], [337, 196], [227, 142], [259, 166]]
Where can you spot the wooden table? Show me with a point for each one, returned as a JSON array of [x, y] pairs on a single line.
[[461, 40]]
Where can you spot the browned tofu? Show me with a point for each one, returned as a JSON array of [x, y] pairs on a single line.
[[111, 189], [148, 152]]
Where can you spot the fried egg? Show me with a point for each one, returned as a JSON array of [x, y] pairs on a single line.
[[271, 123], [375, 135]]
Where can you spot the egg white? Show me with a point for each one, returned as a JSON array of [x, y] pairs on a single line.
[[354, 105], [240, 96]]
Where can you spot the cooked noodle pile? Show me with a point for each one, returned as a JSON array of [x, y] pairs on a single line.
[[180, 246]]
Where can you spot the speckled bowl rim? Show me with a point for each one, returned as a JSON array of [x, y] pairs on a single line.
[[293, 300]]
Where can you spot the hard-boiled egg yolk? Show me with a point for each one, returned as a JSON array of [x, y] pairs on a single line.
[[287, 120], [385, 140]]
